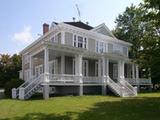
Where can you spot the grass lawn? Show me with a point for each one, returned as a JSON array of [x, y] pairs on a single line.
[[144, 107]]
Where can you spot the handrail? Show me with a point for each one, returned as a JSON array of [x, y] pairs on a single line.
[[114, 86], [31, 83], [127, 85], [23, 85]]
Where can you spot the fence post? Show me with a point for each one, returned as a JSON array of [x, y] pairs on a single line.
[[14, 93], [21, 93]]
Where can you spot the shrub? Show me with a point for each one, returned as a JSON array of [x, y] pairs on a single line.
[[14, 83]]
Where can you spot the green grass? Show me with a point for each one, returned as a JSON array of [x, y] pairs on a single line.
[[144, 107]]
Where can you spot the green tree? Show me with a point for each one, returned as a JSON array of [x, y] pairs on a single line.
[[9, 68], [139, 25]]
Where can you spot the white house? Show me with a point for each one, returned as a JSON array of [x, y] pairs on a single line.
[[75, 58]]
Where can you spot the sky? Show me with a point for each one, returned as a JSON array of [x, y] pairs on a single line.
[[21, 20]]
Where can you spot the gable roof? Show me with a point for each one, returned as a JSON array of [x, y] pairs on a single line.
[[103, 29], [80, 25]]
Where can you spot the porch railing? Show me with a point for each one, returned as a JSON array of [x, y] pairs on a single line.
[[66, 78], [92, 80], [63, 78], [140, 81]]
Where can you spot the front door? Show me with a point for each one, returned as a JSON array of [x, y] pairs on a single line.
[[85, 68]]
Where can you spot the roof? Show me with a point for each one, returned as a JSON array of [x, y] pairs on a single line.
[[80, 25]]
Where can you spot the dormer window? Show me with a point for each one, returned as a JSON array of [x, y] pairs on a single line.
[[79, 41]]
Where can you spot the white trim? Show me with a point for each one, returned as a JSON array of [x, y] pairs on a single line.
[[102, 25]]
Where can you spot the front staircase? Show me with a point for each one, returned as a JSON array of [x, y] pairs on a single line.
[[28, 88], [121, 88]]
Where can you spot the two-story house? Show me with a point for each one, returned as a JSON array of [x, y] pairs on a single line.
[[75, 58]]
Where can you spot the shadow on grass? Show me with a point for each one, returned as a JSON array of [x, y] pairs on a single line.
[[140, 108], [40, 116], [126, 109]]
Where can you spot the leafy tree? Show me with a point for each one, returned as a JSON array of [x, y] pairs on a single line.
[[140, 26], [9, 67]]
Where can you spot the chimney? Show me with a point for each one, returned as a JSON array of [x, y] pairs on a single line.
[[45, 28]]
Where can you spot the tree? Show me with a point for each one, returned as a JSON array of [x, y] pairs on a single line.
[[9, 68], [140, 26]]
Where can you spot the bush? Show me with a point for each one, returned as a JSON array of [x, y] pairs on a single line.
[[14, 83]]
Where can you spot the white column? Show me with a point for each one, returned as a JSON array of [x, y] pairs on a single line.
[[31, 67], [62, 37], [119, 70], [78, 67], [46, 72], [137, 72], [122, 69], [104, 76], [99, 68], [46, 59], [107, 67], [62, 64], [133, 71]]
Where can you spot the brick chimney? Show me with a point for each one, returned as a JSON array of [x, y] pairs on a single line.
[[45, 28]]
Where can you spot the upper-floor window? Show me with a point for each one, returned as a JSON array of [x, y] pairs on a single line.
[[125, 51], [110, 47], [101, 47], [59, 37], [79, 41]]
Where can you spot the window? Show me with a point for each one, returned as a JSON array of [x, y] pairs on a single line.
[[110, 47], [125, 51], [85, 43], [59, 37], [79, 41], [101, 47], [75, 43]]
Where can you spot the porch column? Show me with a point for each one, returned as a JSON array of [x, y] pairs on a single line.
[[46, 60], [46, 72], [104, 76], [31, 66], [133, 71], [137, 74], [62, 64], [120, 70], [63, 37], [137, 78], [78, 67], [99, 68]]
